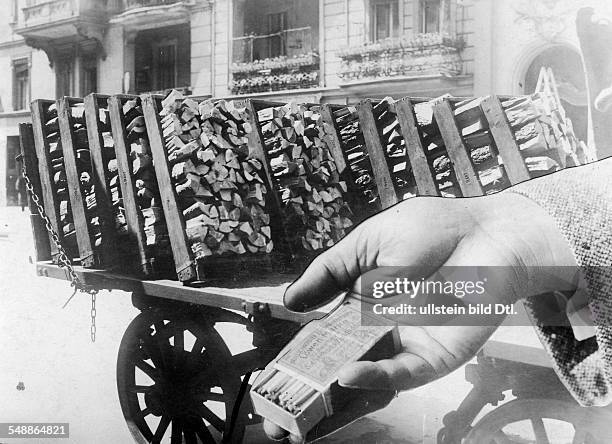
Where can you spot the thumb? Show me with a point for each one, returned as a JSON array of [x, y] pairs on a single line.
[[365, 375], [327, 275]]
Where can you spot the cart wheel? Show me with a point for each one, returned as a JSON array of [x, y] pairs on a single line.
[[176, 378], [537, 421]]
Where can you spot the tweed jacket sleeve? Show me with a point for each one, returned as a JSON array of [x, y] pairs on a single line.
[[580, 201]]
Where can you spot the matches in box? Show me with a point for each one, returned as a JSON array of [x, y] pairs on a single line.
[[300, 387]]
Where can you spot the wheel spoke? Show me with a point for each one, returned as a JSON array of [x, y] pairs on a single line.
[[176, 432], [539, 430], [148, 369], [213, 419], [140, 389], [203, 432], [145, 412], [217, 397], [164, 422], [179, 340], [198, 345]]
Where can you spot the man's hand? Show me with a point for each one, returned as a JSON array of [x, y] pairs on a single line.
[[421, 235]]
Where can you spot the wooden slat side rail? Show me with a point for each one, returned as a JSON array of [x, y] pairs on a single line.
[[258, 151], [104, 201], [50, 198], [30, 163], [504, 140], [334, 141], [186, 267], [423, 175], [380, 167], [77, 201], [456, 149], [133, 216]]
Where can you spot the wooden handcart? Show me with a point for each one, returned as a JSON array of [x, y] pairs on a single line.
[[176, 377]]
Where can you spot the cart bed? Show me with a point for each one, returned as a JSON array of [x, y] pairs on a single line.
[[245, 296]]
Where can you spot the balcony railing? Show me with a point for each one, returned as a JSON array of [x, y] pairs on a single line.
[[127, 5], [420, 55], [37, 13]]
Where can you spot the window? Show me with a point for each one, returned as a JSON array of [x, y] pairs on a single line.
[[89, 74], [384, 19], [429, 16], [21, 84], [64, 78]]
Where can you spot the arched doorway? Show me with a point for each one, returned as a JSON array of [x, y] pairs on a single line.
[[567, 67]]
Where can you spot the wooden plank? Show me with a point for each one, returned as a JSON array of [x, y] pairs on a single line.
[[456, 149], [380, 168], [423, 175], [42, 246], [133, 215], [104, 201], [258, 151], [268, 289], [506, 144], [334, 140], [186, 266], [50, 197], [77, 201]]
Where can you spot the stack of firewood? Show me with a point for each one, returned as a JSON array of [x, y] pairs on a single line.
[[145, 181], [545, 135], [305, 175], [58, 176], [394, 145], [221, 188], [84, 169], [112, 172], [353, 144]]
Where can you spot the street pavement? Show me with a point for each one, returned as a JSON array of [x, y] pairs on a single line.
[[66, 378]]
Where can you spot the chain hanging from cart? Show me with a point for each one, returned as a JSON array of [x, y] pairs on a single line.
[[64, 261]]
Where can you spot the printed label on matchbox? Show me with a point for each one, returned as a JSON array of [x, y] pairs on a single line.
[[334, 341]]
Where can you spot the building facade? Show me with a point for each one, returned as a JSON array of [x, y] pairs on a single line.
[[336, 51]]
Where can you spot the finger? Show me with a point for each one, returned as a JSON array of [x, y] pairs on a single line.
[[366, 375], [330, 273], [407, 371], [362, 402], [273, 431], [402, 372]]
